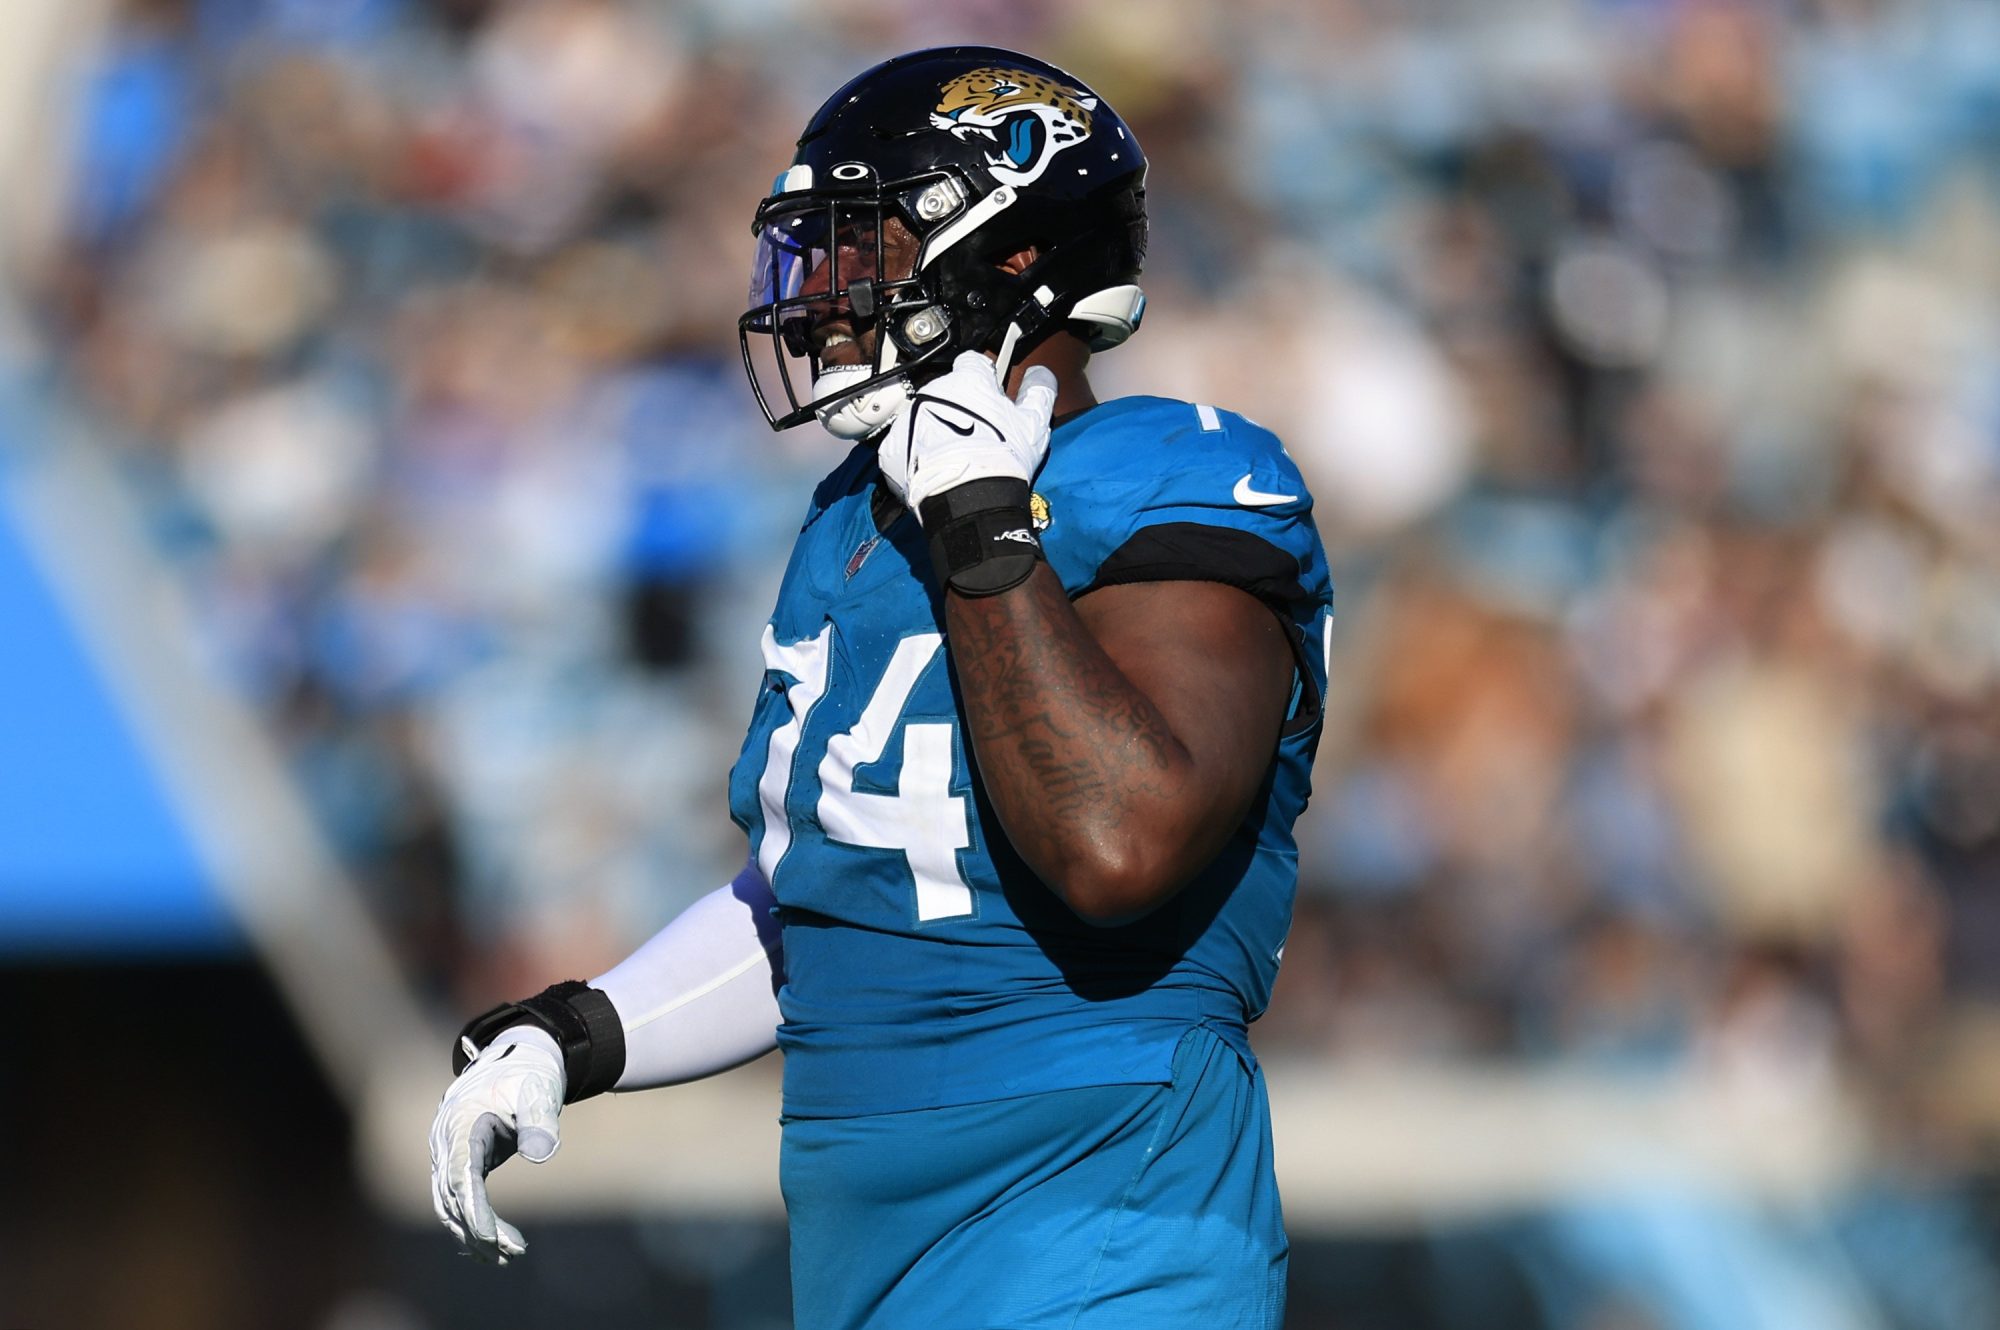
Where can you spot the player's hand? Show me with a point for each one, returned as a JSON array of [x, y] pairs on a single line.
[[964, 427], [505, 1100]]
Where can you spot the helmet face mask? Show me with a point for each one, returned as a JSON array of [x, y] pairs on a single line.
[[880, 251], [835, 288]]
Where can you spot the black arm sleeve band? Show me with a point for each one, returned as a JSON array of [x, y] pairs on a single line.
[[983, 541], [578, 1017], [1196, 552]]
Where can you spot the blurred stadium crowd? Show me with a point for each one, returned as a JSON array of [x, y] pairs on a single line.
[[1643, 353]]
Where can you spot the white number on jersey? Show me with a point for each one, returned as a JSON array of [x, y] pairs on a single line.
[[806, 662], [923, 818]]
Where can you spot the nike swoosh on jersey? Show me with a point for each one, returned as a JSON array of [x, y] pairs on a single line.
[[967, 431], [1256, 498]]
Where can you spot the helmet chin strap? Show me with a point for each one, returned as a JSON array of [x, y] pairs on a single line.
[[1003, 360], [860, 414]]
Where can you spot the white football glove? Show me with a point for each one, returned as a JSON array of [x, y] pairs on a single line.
[[506, 1099], [964, 427]]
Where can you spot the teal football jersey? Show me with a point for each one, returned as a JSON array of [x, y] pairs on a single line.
[[925, 964]]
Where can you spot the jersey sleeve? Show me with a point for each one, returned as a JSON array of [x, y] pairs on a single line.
[[1165, 491], [1173, 491]]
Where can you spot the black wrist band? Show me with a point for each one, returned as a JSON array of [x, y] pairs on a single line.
[[983, 540], [578, 1017]]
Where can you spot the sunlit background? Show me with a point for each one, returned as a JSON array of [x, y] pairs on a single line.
[[385, 531]]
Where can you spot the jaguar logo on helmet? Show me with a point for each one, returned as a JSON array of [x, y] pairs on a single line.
[[1027, 118]]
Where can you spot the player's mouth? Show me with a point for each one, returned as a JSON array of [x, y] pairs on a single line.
[[839, 345]]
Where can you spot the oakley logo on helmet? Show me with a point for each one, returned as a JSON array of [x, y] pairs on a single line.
[[1028, 119]]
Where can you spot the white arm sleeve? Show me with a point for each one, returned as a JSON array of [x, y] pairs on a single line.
[[701, 995]]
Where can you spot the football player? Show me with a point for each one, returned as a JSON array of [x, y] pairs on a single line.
[[1042, 689]]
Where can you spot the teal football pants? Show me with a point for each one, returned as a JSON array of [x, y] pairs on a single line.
[[1141, 1206]]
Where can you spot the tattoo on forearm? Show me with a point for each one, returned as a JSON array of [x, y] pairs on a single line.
[[1067, 746]]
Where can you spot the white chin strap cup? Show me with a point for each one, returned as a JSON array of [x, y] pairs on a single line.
[[859, 414]]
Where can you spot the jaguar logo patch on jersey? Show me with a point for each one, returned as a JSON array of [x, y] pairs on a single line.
[[1028, 119], [1038, 512]]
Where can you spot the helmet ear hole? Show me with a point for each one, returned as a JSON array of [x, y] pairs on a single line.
[[1017, 262]]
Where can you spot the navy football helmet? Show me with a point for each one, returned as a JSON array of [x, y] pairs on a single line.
[[879, 249]]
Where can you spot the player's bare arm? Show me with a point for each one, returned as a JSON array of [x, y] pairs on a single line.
[[1122, 738]]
